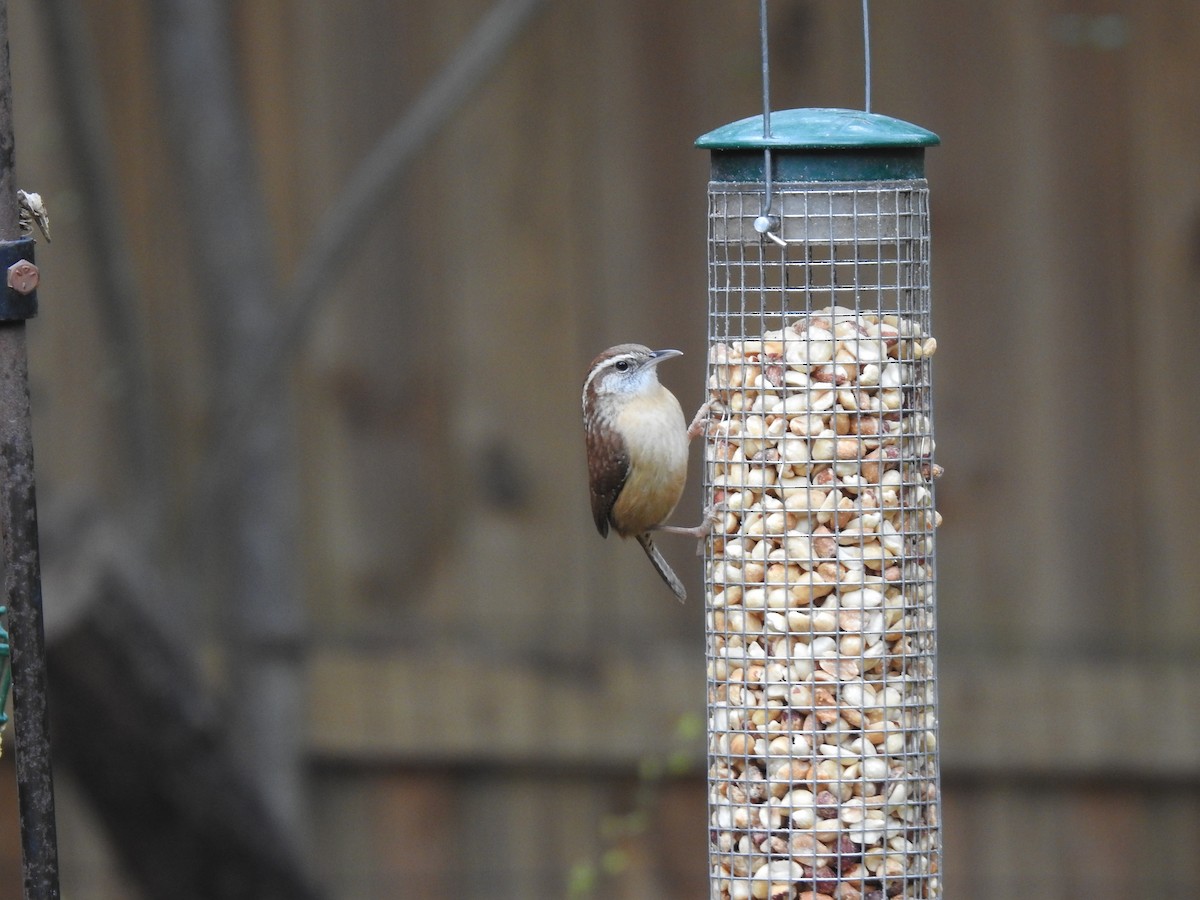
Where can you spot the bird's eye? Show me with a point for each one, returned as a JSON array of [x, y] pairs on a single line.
[[622, 365]]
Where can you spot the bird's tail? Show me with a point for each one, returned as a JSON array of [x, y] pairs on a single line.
[[660, 566]]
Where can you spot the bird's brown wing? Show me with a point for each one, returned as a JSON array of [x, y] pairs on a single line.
[[608, 469]]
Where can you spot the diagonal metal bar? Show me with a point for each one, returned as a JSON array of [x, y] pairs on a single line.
[[364, 197]]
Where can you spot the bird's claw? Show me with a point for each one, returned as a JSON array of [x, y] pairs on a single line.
[[712, 515], [699, 422]]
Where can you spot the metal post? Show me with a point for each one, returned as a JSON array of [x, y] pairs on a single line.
[[18, 532]]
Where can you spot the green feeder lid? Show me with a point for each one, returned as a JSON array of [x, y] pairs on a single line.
[[820, 145], [818, 129]]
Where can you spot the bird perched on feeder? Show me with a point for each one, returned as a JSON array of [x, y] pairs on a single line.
[[637, 449]]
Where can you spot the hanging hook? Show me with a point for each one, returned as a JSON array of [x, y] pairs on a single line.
[[767, 226]]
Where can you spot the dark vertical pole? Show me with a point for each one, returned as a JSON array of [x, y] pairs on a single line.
[[22, 569]]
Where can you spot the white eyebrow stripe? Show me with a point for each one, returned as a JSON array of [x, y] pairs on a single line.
[[609, 363]]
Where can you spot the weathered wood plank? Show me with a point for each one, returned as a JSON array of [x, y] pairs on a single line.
[[1162, 239], [383, 834], [1077, 718], [1014, 718], [455, 707]]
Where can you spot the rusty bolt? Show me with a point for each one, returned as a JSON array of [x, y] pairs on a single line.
[[23, 276]]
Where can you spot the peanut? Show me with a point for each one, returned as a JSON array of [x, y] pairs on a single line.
[[822, 760]]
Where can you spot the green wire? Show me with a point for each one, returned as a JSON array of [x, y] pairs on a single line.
[[6, 673]]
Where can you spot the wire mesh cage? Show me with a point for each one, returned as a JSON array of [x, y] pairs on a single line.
[[823, 772]]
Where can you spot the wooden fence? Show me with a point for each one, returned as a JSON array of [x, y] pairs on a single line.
[[487, 675]]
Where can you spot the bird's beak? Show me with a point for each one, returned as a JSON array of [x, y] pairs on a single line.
[[658, 356]]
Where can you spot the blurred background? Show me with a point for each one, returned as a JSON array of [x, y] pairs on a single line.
[[326, 612]]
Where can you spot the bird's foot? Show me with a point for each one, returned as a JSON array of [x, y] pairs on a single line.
[[700, 421], [700, 532]]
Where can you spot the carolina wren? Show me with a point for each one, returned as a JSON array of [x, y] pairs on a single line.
[[637, 449]]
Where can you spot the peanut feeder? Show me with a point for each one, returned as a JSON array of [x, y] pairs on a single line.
[[823, 772]]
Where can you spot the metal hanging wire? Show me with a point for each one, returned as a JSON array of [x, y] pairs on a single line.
[[866, 16], [767, 224]]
